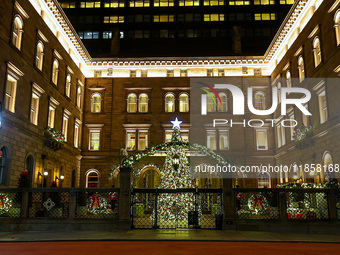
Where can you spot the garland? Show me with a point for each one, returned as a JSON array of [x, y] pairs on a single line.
[[257, 204], [57, 135], [301, 133], [5, 203]]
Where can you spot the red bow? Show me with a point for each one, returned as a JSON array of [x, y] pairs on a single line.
[[258, 200]]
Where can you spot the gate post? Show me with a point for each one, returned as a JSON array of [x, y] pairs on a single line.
[[229, 205], [124, 203]]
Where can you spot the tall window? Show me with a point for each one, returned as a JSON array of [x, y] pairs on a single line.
[[131, 140], [90, 4], [17, 32], [170, 103], [34, 108], [288, 79], [55, 71], [211, 106], [281, 135], [68, 85], [114, 3], [261, 139], [305, 118], [96, 102], [65, 126], [143, 103], [188, 2], [317, 51], [94, 140], [224, 106], [263, 180], [211, 140], [323, 106], [327, 159], [39, 58], [51, 112], [292, 131], [301, 68], [76, 135], [4, 165], [79, 95], [132, 103], [10, 93], [163, 3], [337, 26], [142, 140], [213, 2], [139, 3], [92, 178], [223, 139], [184, 103], [259, 101]]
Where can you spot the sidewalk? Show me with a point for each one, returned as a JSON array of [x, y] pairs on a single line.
[[167, 235]]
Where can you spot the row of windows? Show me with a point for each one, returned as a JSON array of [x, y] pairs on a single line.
[[17, 32], [166, 3], [188, 17]]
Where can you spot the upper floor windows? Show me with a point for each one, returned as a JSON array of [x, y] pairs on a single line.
[[301, 68], [259, 100], [39, 57], [183, 103], [317, 51], [68, 85], [90, 4], [211, 106], [287, 1], [261, 139], [281, 135], [265, 16], [213, 17], [139, 3], [55, 71], [264, 2], [79, 95], [36, 94], [288, 79], [224, 106], [10, 93], [337, 26], [132, 103], [68, 4], [213, 2], [188, 2], [17, 32], [169, 102], [96, 103], [143, 102], [114, 19], [221, 143], [51, 112], [163, 18], [114, 3], [239, 2], [163, 3], [322, 106]]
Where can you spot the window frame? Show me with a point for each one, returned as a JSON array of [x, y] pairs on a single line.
[[17, 36], [140, 103], [317, 51], [129, 104], [93, 103], [170, 94], [39, 55], [257, 130], [181, 104]]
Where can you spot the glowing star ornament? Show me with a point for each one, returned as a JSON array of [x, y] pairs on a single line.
[[176, 123]]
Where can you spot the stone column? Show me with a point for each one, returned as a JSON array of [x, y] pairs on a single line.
[[124, 193], [229, 204]]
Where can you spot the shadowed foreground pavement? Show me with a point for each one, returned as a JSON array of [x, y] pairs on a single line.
[[166, 248]]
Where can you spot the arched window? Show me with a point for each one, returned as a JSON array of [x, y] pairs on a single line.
[[259, 101], [288, 79], [301, 68], [184, 102], [17, 32], [92, 178], [328, 162], [337, 26], [170, 103], [143, 102], [4, 158], [224, 106], [39, 58], [68, 85], [55, 71], [132, 103], [211, 106], [263, 180], [30, 167], [317, 51], [96, 103]]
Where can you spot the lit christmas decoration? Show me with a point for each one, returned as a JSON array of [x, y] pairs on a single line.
[[96, 204], [257, 204], [5, 203], [176, 123]]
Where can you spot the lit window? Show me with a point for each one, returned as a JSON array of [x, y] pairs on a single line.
[[301, 68], [287, 1], [34, 109], [163, 3], [107, 35], [39, 57], [239, 2], [142, 140], [67, 5], [68, 85], [224, 106], [323, 106], [92, 179], [292, 122], [213, 17], [114, 3], [113, 19], [261, 139], [132, 103], [139, 3], [211, 140], [337, 26], [94, 140], [183, 103], [65, 126], [288, 79], [143, 103], [163, 18], [51, 112], [169, 103], [10, 93], [88, 35], [213, 2], [90, 4], [259, 101], [96, 103], [281, 135], [264, 2], [188, 3], [263, 180], [17, 32], [317, 51], [79, 96], [76, 134], [131, 140], [211, 103], [224, 140], [265, 16], [305, 118], [327, 159], [55, 71]]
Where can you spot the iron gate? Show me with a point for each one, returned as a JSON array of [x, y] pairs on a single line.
[[176, 208]]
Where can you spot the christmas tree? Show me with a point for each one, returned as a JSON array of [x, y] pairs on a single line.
[[175, 175]]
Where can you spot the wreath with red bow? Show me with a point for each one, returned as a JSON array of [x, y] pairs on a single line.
[[258, 204]]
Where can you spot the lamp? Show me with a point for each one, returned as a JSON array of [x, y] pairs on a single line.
[[45, 174], [175, 161], [61, 178]]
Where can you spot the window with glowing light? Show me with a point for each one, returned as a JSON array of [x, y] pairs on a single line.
[[114, 3], [17, 31], [301, 68], [132, 103], [39, 56], [317, 51], [224, 106], [337, 26], [184, 103], [96, 103], [169, 103], [163, 3]]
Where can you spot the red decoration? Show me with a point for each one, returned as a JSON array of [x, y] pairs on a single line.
[[311, 215]]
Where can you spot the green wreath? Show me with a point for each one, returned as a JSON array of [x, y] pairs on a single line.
[[5, 203], [258, 204], [96, 204]]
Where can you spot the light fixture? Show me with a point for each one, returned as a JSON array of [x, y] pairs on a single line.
[[46, 172]]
